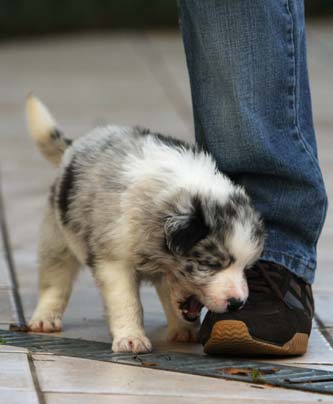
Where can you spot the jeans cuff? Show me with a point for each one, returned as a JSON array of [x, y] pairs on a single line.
[[299, 266]]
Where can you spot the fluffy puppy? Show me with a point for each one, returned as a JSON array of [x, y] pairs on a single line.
[[133, 204]]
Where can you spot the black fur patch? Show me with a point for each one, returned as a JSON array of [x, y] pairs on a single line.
[[229, 211], [142, 130], [56, 134], [239, 199], [168, 140], [189, 232], [196, 254], [208, 262], [211, 248], [189, 268], [91, 259], [258, 231], [143, 259], [66, 191], [173, 142]]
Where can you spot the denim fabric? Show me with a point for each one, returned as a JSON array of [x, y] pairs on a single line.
[[252, 111]]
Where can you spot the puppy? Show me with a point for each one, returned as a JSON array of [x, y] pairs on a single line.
[[132, 205]]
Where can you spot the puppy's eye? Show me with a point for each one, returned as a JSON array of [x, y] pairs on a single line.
[[221, 264], [215, 265], [196, 254], [210, 264], [227, 261]]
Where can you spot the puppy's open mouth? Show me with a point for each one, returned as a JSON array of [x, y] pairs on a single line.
[[191, 308]]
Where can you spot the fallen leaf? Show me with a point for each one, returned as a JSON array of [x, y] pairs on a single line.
[[148, 364]]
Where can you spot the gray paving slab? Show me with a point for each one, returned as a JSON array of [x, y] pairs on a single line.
[[5, 282], [16, 381], [324, 306], [7, 312], [18, 397], [4, 276]]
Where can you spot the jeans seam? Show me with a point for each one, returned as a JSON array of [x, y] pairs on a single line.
[[295, 122], [300, 137]]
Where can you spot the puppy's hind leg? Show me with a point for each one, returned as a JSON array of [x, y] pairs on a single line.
[[58, 268], [120, 290], [178, 330]]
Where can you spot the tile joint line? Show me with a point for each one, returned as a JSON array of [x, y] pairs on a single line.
[[323, 331], [10, 263], [33, 372]]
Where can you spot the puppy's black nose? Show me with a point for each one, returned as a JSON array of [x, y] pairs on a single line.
[[234, 304]]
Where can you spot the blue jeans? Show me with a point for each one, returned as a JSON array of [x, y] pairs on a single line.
[[252, 111]]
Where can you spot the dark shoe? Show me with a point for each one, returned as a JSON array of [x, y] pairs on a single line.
[[276, 319]]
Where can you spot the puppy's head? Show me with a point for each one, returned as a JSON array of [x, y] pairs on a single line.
[[212, 244]]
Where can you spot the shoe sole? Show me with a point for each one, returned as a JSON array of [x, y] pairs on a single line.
[[232, 337]]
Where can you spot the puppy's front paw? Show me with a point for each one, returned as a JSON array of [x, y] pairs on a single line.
[[48, 322], [135, 344], [183, 333]]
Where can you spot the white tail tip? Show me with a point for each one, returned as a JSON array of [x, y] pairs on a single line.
[[40, 121]]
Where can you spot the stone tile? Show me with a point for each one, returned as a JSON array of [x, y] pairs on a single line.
[[320, 65], [120, 91], [321, 33], [324, 277], [84, 316], [166, 58], [26, 264], [4, 275], [63, 398], [319, 353], [330, 330], [95, 56], [15, 372], [324, 306], [18, 397], [325, 252], [7, 313], [321, 95], [84, 319], [16, 384], [72, 375], [12, 349]]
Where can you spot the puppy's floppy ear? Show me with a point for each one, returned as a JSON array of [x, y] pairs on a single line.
[[183, 231]]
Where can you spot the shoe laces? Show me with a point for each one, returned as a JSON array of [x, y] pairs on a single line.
[[261, 279]]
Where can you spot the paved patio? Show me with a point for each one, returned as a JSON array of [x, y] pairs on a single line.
[[135, 78]]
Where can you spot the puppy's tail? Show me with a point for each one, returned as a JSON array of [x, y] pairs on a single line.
[[44, 131]]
